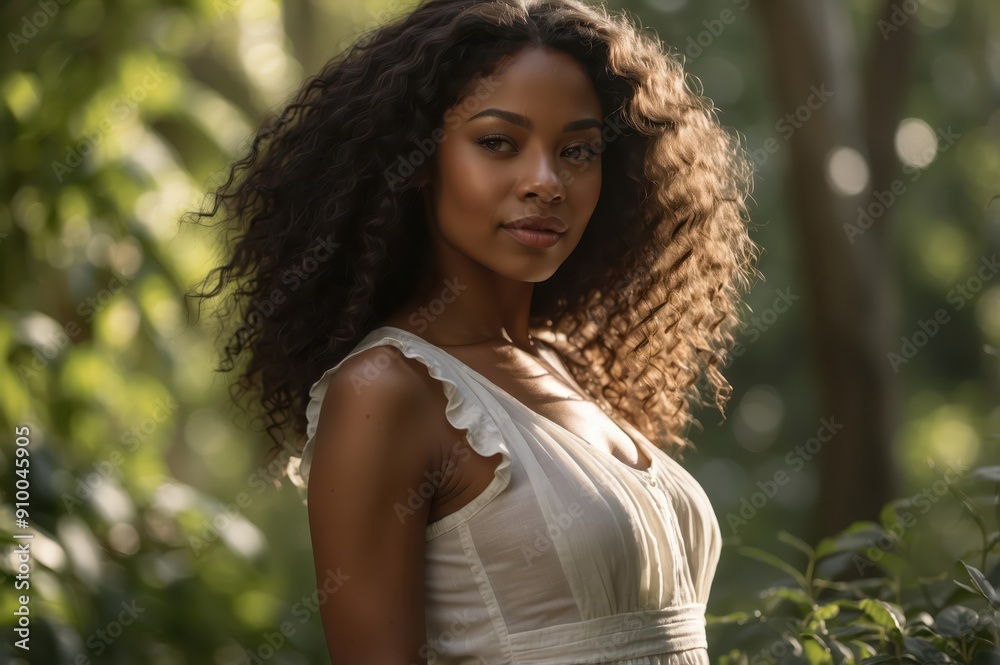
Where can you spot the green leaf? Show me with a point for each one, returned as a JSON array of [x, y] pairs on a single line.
[[889, 516], [789, 593], [920, 619], [884, 614], [865, 650], [857, 536], [918, 646], [956, 620], [733, 617], [826, 612], [816, 651], [800, 545], [826, 547], [983, 584], [844, 655], [772, 560]]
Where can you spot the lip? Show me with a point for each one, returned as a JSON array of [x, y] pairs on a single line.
[[535, 223], [532, 238]]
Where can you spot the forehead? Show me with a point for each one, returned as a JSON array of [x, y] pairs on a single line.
[[535, 82]]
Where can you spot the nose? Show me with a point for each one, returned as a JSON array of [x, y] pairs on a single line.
[[542, 182]]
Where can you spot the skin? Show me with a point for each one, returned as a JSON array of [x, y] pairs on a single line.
[[470, 192]]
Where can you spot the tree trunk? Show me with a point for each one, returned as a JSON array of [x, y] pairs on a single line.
[[848, 278]]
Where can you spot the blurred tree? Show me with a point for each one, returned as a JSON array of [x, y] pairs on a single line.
[[834, 100]]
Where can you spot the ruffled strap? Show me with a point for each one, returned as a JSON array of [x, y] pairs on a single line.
[[465, 411]]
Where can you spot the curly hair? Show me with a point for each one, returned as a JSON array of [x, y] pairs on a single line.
[[327, 236]]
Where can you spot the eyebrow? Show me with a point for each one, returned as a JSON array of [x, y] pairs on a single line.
[[522, 121]]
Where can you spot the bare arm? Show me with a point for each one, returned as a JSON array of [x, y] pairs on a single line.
[[371, 448]]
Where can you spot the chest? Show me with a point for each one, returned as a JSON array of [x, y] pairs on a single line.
[[545, 389]]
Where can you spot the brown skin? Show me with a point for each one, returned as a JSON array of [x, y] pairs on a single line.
[[397, 427], [542, 171]]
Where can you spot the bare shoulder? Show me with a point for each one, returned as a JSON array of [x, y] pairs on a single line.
[[373, 446], [383, 376], [376, 405]]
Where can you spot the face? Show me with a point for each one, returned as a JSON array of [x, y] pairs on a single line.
[[525, 143]]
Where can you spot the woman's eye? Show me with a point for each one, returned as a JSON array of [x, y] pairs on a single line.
[[585, 152], [580, 151], [487, 141]]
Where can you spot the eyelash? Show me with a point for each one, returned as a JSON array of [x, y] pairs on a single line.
[[500, 137]]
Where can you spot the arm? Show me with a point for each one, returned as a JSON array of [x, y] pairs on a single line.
[[371, 448]]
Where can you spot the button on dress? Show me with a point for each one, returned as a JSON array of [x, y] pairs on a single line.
[[569, 556]]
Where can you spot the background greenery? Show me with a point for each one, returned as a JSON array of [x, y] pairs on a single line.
[[150, 493]]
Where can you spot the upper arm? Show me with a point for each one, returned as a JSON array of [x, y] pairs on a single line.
[[371, 453]]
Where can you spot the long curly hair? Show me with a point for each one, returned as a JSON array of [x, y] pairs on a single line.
[[326, 232]]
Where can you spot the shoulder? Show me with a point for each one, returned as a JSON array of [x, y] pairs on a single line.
[[381, 378], [379, 388]]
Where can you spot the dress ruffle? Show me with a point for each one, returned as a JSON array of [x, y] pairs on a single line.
[[464, 411]]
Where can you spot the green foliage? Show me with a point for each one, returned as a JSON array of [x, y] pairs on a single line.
[[861, 599]]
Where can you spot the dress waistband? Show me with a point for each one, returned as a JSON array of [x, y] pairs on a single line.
[[616, 637]]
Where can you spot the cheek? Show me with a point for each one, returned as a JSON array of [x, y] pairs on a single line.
[[469, 190], [584, 188]]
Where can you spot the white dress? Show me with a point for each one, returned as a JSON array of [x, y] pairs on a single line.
[[570, 555]]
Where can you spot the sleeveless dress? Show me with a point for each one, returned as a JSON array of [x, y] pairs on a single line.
[[569, 556]]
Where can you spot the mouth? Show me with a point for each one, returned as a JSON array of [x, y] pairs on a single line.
[[533, 237], [534, 223]]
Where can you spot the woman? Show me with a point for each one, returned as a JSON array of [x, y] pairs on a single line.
[[482, 261]]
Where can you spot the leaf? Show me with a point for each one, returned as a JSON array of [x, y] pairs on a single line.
[[789, 593], [883, 614], [816, 651], [772, 560], [988, 473], [733, 617], [855, 537], [853, 630], [956, 620], [789, 539], [880, 659], [826, 547], [927, 652], [846, 656], [983, 584], [889, 516], [826, 612], [864, 649]]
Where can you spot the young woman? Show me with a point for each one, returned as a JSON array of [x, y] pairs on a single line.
[[481, 263]]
